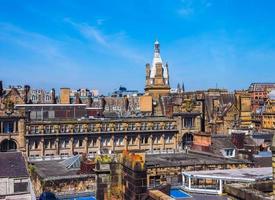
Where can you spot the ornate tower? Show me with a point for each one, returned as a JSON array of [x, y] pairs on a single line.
[[157, 75]]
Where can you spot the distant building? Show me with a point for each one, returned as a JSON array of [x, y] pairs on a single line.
[[122, 92], [259, 94], [40, 96]]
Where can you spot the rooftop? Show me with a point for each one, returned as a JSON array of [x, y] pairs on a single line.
[[56, 170], [244, 174], [187, 159], [12, 165]]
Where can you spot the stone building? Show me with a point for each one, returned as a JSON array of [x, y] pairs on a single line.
[[243, 102], [41, 96], [12, 122], [268, 115], [66, 138], [222, 113], [259, 94]]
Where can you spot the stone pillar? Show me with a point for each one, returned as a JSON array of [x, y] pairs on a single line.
[[113, 143], [14, 126], [57, 146], [98, 143], [175, 141], [22, 131], [163, 142], [86, 145], [151, 142], [220, 186], [138, 141], [42, 147], [189, 182], [125, 142], [72, 146], [27, 147], [2, 127]]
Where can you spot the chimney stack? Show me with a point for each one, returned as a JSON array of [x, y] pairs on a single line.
[[90, 101], [26, 93], [53, 96]]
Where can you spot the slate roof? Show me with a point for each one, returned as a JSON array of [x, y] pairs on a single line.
[[220, 142], [188, 159], [55, 170], [12, 165]]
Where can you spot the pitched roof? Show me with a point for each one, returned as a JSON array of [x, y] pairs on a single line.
[[12, 165]]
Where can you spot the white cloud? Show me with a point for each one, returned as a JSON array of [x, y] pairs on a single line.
[[191, 7], [115, 43]]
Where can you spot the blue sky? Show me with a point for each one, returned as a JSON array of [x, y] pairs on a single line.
[[103, 44]]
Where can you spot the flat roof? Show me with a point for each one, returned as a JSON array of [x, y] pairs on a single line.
[[244, 174], [55, 170], [47, 104], [188, 159]]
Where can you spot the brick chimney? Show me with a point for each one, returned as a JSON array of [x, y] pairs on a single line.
[[53, 97], [26, 93], [201, 141]]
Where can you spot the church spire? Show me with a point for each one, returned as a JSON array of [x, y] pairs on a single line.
[[156, 60], [157, 49]]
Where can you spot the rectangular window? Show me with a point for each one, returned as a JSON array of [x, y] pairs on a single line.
[[80, 143], [20, 186], [8, 127], [64, 144], [51, 114], [188, 122], [168, 139], [119, 141], [144, 140]]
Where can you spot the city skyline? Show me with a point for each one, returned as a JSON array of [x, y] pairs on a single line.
[[91, 45]]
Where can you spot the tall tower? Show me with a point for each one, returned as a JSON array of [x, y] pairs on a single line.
[[157, 75]]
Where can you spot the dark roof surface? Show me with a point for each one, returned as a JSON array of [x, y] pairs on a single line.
[[12, 164], [55, 170], [187, 159], [220, 142]]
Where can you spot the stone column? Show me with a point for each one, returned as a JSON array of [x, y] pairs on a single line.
[[14, 126], [175, 141], [86, 145], [98, 143], [151, 142], [220, 186], [113, 143], [57, 146], [72, 146], [22, 131], [125, 142], [27, 147], [163, 141], [42, 147], [2, 127], [138, 139]]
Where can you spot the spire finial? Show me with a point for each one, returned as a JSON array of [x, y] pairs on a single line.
[[157, 49]]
